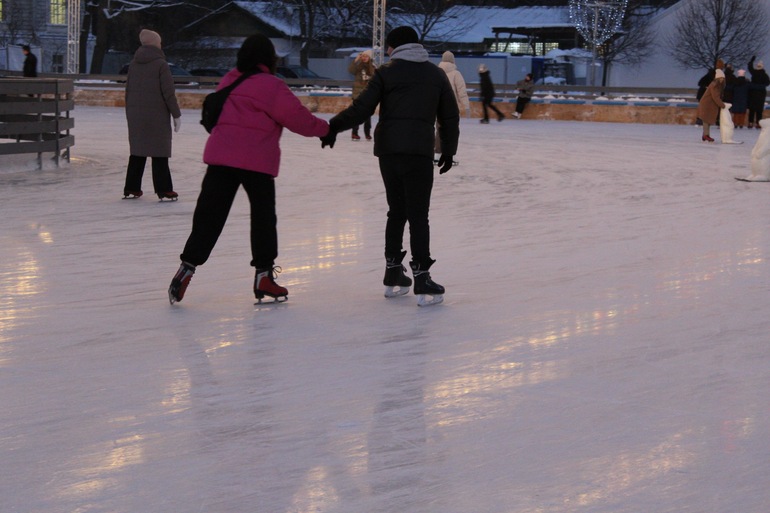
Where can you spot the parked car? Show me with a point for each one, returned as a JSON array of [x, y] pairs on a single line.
[[209, 72], [176, 71], [295, 71]]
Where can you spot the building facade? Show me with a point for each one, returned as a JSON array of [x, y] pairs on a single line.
[[41, 24]]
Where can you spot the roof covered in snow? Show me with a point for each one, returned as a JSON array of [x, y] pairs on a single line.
[[478, 23]]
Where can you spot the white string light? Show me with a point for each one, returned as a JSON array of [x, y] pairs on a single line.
[[597, 20]]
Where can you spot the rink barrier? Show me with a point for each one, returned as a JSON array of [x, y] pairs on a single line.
[[35, 117], [649, 106]]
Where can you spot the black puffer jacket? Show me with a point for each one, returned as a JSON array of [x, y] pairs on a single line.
[[412, 93]]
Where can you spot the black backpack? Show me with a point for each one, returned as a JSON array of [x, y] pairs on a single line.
[[214, 102]]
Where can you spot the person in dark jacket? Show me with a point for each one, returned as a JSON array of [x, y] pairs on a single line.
[[487, 94], [703, 84], [30, 62], [412, 94], [526, 87], [150, 105], [740, 99], [757, 92]]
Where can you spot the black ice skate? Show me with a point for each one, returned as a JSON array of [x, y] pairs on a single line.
[[180, 282], [395, 281], [132, 194], [265, 285], [425, 286], [170, 195]]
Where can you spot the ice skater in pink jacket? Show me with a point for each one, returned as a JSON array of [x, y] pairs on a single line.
[[243, 150]]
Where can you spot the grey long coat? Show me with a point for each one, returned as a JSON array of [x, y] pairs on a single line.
[[150, 103]]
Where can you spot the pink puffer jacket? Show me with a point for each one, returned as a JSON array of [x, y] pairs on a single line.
[[249, 128]]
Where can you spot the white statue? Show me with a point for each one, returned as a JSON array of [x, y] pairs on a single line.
[[760, 155], [726, 125]]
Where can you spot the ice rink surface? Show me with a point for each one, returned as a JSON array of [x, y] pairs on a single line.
[[604, 344]]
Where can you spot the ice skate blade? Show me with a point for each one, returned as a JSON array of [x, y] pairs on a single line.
[[272, 301], [392, 291], [163, 200], [422, 299]]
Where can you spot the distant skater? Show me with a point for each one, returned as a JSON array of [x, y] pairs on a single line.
[[488, 94], [711, 103], [526, 88]]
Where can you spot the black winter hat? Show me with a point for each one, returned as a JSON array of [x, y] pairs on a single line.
[[401, 36]]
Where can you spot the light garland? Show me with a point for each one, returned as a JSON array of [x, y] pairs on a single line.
[[597, 20]]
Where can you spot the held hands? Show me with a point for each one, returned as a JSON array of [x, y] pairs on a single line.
[[177, 124], [329, 139], [444, 163]]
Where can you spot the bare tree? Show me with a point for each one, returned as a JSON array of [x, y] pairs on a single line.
[[325, 21], [634, 44], [100, 16], [707, 30], [434, 20]]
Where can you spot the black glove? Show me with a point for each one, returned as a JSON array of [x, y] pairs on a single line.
[[444, 163], [329, 139]]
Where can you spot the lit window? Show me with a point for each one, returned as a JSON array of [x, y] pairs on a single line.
[[58, 13]]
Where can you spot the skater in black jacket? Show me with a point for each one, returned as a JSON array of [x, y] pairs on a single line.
[[412, 94], [487, 94]]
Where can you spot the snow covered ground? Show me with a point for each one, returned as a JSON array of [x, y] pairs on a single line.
[[603, 345]]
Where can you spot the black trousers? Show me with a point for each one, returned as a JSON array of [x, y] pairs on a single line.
[[488, 104], [408, 183], [161, 174], [216, 198], [521, 103], [367, 127]]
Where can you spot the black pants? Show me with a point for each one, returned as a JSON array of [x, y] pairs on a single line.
[[408, 183], [755, 115], [161, 174], [488, 104], [521, 103], [216, 198], [367, 127]]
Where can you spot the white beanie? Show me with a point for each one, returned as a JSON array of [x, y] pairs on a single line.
[[483, 68], [149, 37], [448, 57], [368, 53], [719, 74]]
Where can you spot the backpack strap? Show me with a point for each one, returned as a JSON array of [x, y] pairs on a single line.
[[227, 90]]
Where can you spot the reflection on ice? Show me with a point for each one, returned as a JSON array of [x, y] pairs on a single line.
[[602, 345]]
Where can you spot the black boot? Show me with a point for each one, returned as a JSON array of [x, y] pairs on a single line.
[[424, 285], [395, 277]]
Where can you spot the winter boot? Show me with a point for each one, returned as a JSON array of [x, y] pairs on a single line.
[[180, 282], [131, 194], [425, 286], [265, 285], [395, 281]]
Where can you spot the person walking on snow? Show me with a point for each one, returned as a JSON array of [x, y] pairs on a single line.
[[711, 103], [412, 94], [243, 150], [457, 82], [488, 94], [150, 105], [526, 88], [362, 69]]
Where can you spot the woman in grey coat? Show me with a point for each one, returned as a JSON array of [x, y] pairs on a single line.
[[150, 102]]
